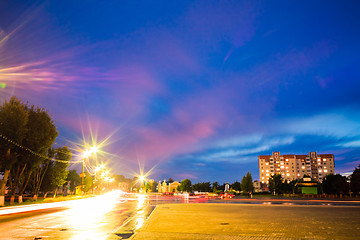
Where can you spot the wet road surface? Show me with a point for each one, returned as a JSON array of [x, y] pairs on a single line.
[[111, 216]]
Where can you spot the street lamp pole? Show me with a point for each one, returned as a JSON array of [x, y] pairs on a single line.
[[82, 177], [86, 154]]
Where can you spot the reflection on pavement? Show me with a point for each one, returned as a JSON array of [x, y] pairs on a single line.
[[85, 216], [143, 201]]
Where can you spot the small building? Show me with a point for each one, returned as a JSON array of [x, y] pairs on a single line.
[[168, 187], [257, 186], [308, 186]]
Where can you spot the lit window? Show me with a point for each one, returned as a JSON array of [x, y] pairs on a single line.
[[267, 174], [282, 167], [262, 178], [267, 170], [286, 159], [324, 159], [319, 170], [325, 170], [298, 175], [282, 163], [262, 170], [303, 167], [288, 174], [266, 163]]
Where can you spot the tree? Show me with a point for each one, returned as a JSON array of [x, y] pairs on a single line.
[[185, 185], [148, 186], [355, 181], [215, 186], [13, 120], [47, 183], [247, 183], [40, 137], [236, 186], [335, 184], [170, 180], [59, 172], [88, 182], [153, 186], [202, 187], [275, 182], [74, 179]]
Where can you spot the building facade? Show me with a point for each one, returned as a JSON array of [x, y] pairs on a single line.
[[168, 187], [292, 166]]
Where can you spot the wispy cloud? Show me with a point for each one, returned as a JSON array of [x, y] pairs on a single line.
[[240, 152]]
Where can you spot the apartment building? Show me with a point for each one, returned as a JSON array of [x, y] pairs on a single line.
[[292, 166]]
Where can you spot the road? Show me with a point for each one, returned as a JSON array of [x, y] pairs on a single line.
[[111, 216]]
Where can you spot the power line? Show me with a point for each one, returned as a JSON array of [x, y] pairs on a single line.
[[33, 152]]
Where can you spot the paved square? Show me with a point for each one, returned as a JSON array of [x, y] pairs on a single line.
[[251, 221]]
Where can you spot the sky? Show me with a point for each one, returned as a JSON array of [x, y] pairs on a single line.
[[189, 89]]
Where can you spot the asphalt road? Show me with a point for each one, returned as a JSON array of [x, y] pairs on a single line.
[[110, 216], [92, 218]]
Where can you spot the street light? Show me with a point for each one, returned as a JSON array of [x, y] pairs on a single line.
[[86, 154], [142, 178]]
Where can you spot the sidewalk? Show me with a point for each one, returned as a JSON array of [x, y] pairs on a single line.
[[251, 221]]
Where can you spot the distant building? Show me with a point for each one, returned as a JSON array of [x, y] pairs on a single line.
[[257, 186], [168, 187], [292, 166]]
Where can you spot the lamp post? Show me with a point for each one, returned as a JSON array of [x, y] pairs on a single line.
[[142, 180], [86, 154]]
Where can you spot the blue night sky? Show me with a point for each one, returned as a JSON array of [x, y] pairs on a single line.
[[190, 89]]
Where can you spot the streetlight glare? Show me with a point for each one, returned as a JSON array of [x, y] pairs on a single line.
[[94, 149], [86, 153], [142, 178]]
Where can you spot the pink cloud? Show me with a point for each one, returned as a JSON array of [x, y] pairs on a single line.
[[182, 176], [173, 139]]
